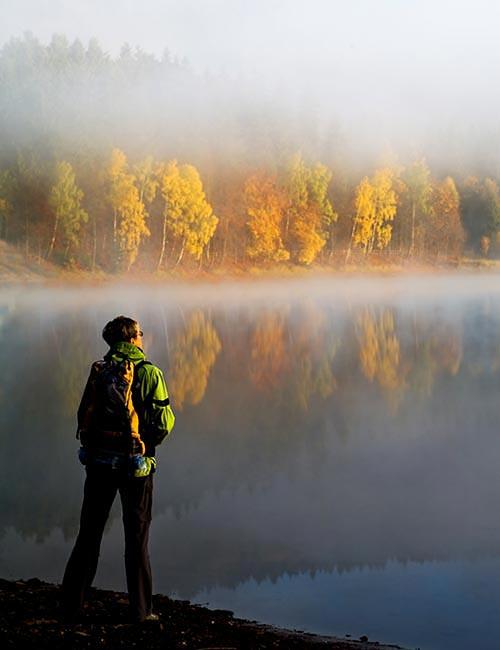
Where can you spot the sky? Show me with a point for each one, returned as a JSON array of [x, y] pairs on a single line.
[[241, 29], [414, 62], [416, 37]]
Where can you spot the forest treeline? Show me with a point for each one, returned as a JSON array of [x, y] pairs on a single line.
[[138, 162]]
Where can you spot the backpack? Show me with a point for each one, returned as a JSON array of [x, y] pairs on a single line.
[[110, 422]]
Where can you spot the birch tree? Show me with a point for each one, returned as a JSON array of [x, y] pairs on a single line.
[[310, 211], [65, 202], [129, 213], [265, 203], [376, 206], [416, 193], [187, 215]]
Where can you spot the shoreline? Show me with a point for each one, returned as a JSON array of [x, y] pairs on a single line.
[[89, 280], [29, 619], [17, 270]]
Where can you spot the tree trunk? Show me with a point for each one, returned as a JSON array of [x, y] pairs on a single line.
[[349, 249], [224, 248], [413, 219], [94, 246], [163, 242], [331, 252], [371, 243], [181, 253], [207, 249], [53, 239]]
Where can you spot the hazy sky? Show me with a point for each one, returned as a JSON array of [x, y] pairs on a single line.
[[414, 59], [403, 36]]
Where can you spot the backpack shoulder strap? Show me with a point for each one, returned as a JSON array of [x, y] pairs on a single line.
[[141, 364], [136, 382], [144, 362]]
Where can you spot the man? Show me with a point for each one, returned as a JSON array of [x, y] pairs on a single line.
[[124, 413]]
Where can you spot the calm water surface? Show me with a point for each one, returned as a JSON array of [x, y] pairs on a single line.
[[335, 465]]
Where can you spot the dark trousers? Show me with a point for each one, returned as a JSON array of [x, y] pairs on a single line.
[[101, 485]]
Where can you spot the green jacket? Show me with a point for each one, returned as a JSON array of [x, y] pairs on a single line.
[[156, 418]]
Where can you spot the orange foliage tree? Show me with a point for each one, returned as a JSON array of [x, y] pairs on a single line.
[[265, 204]]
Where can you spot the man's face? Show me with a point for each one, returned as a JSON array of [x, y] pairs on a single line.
[[137, 340]]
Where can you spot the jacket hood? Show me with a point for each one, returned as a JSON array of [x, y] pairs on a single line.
[[125, 350]]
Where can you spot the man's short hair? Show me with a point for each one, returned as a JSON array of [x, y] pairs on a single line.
[[120, 328]]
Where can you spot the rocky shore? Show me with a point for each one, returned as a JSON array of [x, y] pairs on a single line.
[[29, 619]]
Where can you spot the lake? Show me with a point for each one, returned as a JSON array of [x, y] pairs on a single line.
[[335, 464]]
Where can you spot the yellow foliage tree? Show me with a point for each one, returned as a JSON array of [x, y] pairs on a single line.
[[65, 203], [376, 206], [146, 179], [195, 352], [265, 204], [365, 215], [310, 212], [129, 213], [187, 214]]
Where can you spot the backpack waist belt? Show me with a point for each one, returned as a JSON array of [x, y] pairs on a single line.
[[121, 434]]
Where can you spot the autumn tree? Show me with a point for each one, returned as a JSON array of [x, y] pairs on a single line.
[[187, 215], [265, 203], [376, 206], [364, 219], [444, 232], [172, 190], [145, 173], [129, 212], [65, 201], [231, 235], [310, 213], [415, 196]]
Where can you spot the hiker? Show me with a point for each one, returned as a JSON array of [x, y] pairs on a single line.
[[124, 413]]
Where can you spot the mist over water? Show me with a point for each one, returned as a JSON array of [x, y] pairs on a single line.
[[334, 464]]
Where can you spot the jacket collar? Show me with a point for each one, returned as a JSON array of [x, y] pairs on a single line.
[[125, 350]]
